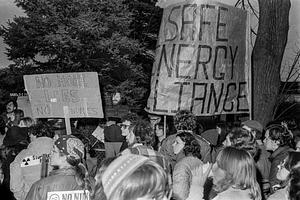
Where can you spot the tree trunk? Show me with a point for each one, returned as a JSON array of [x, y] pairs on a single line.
[[267, 56]]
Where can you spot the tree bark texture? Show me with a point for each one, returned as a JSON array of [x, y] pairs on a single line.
[[267, 56]]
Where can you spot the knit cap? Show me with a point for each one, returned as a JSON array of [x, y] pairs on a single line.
[[71, 146], [120, 169]]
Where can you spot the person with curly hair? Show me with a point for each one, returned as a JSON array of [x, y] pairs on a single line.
[[22, 176], [278, 140], [188, 150]]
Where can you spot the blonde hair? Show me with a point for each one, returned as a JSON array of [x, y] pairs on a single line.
[[240, 171], [149, 179]]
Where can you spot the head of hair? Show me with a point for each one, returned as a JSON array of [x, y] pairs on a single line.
[[148, 179], [292, 160], [19, 114], [191, 147], [41, 130], [185, 120], [81, 172], [144, 133], [98, 191], [240, 171], [132, 117], [281, 134], [294, 184], [243, 139], [14, 102], [28, 121]]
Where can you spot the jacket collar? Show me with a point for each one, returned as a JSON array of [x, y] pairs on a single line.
[[279, 151]]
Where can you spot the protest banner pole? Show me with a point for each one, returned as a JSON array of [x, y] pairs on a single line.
[[67, 120], [165, 126]]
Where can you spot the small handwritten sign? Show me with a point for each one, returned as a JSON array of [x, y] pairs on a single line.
[[50, 93]]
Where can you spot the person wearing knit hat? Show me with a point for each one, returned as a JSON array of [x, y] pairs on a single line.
[[134, 177], [71, 175]]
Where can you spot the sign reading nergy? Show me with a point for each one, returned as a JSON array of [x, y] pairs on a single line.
[[69, 195], [50, 93], [202, 60]]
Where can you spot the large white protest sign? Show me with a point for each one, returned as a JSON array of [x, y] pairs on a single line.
[[69, 195], [202, 60], [51, 94]]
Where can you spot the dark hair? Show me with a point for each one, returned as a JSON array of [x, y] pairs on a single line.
[[144, 133], [185, 120], [132, 117], [292, 160], [98, 191], [19, 114], [191, 146], [81, 175], [294, 190], [41, 130], [14, 102], [241, 138], [278, 132]]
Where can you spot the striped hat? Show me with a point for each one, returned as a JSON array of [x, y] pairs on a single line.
[[120, 169]]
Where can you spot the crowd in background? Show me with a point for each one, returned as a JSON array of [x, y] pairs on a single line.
[[145, 160]]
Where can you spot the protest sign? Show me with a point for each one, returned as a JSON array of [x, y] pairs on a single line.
[[52, 94], [69, 195], [202, 60]]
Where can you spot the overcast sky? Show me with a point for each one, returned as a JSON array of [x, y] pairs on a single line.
[[8, 10]]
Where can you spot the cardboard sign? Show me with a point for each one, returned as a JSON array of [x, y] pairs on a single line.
[[50, 93], [202, 60], [69, 195]]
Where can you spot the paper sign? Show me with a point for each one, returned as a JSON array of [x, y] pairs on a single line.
[[49, 93], [99, 133], [69, 195], [202, 60]]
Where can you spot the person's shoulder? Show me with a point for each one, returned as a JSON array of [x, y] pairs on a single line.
[[235, 194]]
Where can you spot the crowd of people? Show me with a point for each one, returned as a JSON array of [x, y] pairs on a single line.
[[145, 161]]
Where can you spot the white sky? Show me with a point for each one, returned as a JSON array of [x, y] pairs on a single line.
[[8, 10]]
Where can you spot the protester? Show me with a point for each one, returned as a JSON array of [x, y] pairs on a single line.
[[283, 174], [141, 139], [234, 176], [27, 166], [6, 117], [160, 136], [113, 138], [127, 122], [67, 156], [294, 184], [15, 140], [184, 120], [188, 151], [278, 140], [262, 157], [135, 177]]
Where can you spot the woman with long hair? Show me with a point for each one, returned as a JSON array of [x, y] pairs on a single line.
[[70, 173], [188, 153], [284, 174], [234, 175]]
